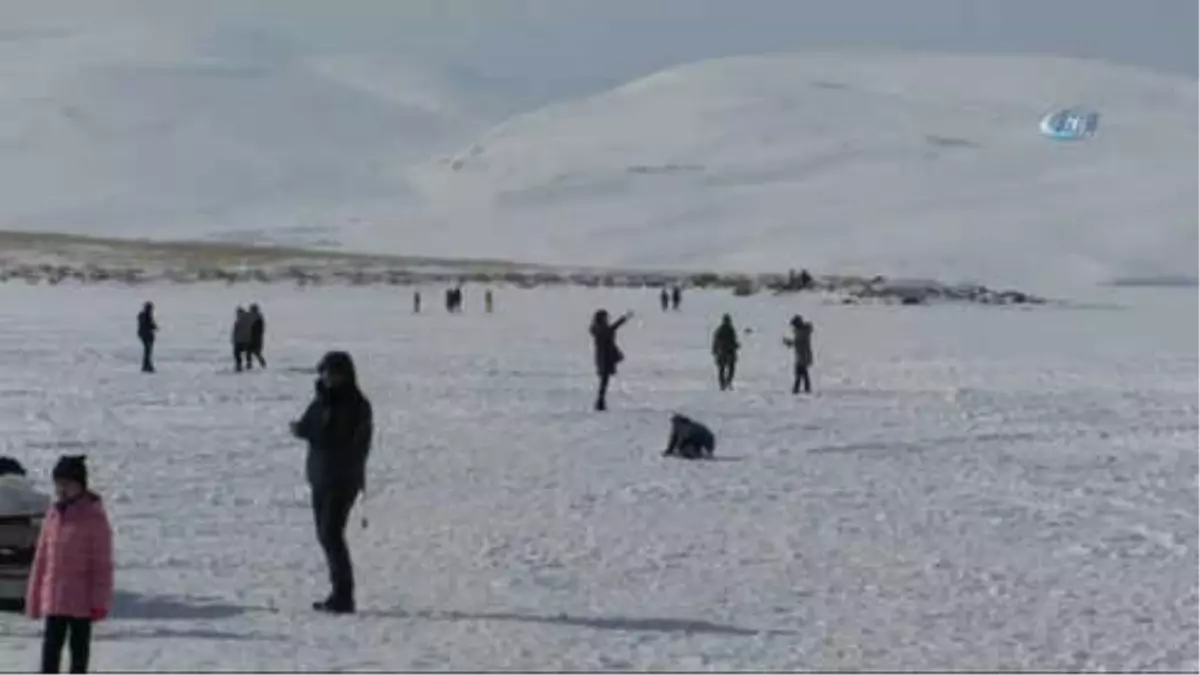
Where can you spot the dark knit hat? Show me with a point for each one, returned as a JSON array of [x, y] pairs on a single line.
[[71, 467], [340, 363]]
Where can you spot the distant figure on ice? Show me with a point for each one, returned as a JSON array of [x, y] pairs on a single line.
[[146, 332], [489, 301], [258, 334], [664, 299], [416, 302], [689, 439], [454, 300], [71, 583], [338, 426], [725, 347], [676, 298], [240, 337], [805, 280], [801, 343], [608, 355]]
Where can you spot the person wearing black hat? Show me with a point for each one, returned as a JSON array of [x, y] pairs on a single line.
[[71, 583], [338, 427]]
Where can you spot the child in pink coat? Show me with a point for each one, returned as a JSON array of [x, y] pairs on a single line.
[[71, 583]]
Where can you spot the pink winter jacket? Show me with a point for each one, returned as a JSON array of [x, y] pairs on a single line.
[[72, 571]]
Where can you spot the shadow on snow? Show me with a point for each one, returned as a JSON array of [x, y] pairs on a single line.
[[623, 624]]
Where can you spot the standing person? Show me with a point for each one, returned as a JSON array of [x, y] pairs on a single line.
[[725, 351], [489, 302], [676, 298], [338, 427], [258, 332], [146, 331], [801, 342], [240, 337], [608, 355], [416, 302], [664, 299], [71, 584]]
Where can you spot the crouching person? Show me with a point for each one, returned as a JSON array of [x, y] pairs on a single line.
[[71, 584], [689, 439]]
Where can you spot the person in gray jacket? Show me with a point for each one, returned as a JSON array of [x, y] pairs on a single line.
[[338, 426], [801, 344]]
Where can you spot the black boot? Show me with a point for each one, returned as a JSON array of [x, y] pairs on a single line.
[[335, 606]]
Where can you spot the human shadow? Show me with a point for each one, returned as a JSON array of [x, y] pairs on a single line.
[[615, 623], [163, 632], [128, 605], [921, 445]]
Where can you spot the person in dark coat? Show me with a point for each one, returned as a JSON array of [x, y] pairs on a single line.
[[689, 439], [608, 355], [676, 298], [725, 347], [416, 302], [240, 337], [489, 301], [146, 331], [338, 426], [801, 343], [258, 333], [664, 299]]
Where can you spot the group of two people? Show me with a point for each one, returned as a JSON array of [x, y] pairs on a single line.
[[249, 330], [725, 348]]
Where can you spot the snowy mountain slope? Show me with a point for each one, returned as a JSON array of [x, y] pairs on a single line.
[[152, 130], [925, 165], [906, 165], [967, 491]]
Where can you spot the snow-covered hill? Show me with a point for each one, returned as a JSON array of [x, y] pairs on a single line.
[[903, 165], [899, 164], [158, 131]]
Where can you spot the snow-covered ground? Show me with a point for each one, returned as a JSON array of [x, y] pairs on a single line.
[[969, 489]]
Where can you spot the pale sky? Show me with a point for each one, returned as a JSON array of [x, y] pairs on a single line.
[[593, 41]]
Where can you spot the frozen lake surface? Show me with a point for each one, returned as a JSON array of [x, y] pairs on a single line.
[[969, 489]]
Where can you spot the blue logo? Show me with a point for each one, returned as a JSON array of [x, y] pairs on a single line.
[[1072, 124]]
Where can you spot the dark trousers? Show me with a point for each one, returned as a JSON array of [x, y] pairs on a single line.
[[255, 352], [726, 369], [602, 393], [802, 378], [58, 629], [241, 358], [147, 356], [331, 511]]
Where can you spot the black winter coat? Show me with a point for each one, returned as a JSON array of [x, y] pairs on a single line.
[[725, 343], [146, 326], [608, 355], [338, 426]]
